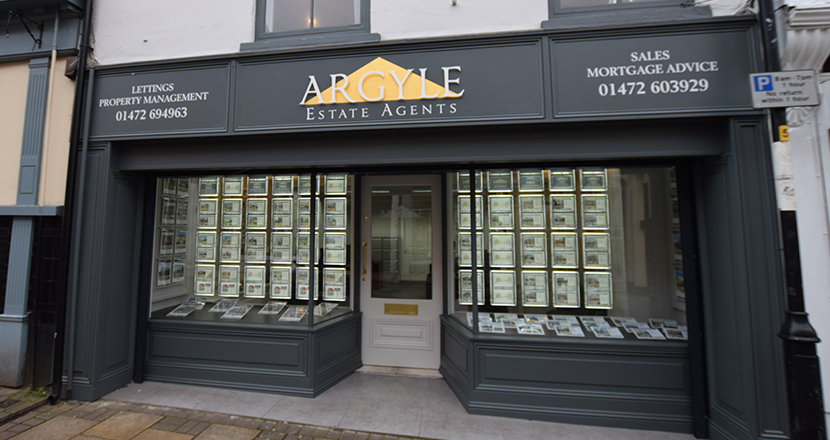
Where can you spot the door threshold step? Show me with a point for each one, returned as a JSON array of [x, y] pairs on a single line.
[[400, 371]]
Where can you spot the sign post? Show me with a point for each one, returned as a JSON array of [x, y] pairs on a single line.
[[776, 90]]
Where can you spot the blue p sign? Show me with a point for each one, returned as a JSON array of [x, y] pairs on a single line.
[[763, 83]]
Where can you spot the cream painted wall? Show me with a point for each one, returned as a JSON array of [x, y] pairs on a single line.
[[125, 32], [14, 79], [56, 153]]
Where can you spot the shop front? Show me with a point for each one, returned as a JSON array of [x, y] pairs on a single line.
[[575, 227]]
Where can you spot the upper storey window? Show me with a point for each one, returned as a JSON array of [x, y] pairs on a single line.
[[287, 23], [306, 15], [592, 12]]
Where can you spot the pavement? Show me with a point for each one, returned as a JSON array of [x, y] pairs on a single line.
[[361, 407], [106, 419], [17, 401]]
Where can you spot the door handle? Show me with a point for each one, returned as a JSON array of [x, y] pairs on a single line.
[[364, 258]]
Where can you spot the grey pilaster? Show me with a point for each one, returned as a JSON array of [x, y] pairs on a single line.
[[17, 282], [14, 322], [30, 153]]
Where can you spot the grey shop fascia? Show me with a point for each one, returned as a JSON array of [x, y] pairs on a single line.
[[660, 92]]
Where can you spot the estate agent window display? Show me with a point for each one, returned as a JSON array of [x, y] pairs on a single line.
[[238, 248], [569, 253]]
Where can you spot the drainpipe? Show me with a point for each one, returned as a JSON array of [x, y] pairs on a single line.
[[69, 209], [50, 94]]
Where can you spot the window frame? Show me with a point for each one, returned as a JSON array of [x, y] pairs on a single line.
[[623, 13], [331, 34]]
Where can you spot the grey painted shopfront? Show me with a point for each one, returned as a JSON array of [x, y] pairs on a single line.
[[657, 97]]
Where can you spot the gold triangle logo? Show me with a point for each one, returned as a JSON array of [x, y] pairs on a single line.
[[379, 81]]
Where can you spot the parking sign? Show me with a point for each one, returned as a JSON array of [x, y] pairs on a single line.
[[763, 83], [796, 88]]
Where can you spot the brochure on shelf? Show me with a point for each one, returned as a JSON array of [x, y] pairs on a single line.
[[238, 311], [619, 321], [671, 333], [324, 308], [491, 327], [294, 314], [223, 305], [630, 326], [535, 319], [501, 317], [648, 333], [662, 323], [482, 317], [593, 321], [568, 330], [607, 332], [513, 323], [530, 329], [272, 308], [183, 310], [564, 318]]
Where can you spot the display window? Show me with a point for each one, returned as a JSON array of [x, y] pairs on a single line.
[[570, 253], [250, 255]]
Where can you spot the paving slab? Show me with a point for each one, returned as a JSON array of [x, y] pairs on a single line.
[[318, 411], [383, 416], [155, 434], [223, 432], [456, 424], [516, 428], [59, 428], [157, 393], [241, 403], [601, 433], [124, 425]]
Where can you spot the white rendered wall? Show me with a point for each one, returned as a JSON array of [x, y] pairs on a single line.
[[401, 19], [129, 31], [818, 299]]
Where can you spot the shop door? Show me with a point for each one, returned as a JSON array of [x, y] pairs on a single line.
[[401, 271]]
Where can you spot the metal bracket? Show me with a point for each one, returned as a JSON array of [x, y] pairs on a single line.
[[23, 19]]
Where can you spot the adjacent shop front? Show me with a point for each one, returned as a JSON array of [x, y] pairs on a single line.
[[574, 226]]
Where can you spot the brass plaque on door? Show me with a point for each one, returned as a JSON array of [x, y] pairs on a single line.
[[400, 309]]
